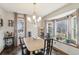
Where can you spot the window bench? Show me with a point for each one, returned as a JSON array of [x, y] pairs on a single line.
[[66, 48]]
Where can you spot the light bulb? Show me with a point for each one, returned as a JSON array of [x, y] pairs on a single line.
[[34, 17], [29, 19], [39, 19]]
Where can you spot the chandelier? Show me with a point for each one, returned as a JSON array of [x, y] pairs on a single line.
[[34, 17]]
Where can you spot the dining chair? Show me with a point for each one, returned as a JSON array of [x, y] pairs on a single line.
[[23, 47], [48, 46]]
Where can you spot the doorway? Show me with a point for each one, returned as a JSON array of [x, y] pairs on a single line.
[[20, 29]]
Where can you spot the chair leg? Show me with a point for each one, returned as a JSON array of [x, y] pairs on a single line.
[[22, 52]]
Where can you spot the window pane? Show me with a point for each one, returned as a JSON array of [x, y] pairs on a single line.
[[61, 30], [50, 29], [74, 29]]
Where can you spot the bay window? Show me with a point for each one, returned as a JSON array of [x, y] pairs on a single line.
[[64, 29]]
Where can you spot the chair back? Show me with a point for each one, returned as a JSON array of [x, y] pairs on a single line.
[[23, 47], [48, 45]]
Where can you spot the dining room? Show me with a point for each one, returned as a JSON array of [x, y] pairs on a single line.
[[39, 29]]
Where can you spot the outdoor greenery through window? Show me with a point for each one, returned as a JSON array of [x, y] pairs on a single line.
[[61, 30]]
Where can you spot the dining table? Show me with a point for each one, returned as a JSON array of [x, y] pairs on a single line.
[[34, 44]]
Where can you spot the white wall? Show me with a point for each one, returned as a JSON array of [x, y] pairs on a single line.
[[5, 16], [1, 40], [9, 16]]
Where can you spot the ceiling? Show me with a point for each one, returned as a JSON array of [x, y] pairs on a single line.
[[41, 9]]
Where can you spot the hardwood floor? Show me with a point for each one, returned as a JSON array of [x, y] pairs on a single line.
[[17, 51], [12, 51]]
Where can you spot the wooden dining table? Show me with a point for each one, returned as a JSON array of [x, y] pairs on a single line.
[[34, 44]]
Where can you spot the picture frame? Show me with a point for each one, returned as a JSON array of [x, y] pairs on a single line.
[[1, 22], [10, 23]]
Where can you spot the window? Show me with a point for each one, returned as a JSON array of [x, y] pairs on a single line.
[[61, 30], [74, 29], [50, 29]]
